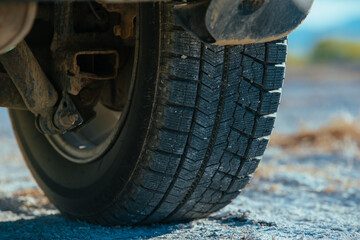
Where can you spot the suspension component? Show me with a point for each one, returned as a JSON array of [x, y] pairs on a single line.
[[67, 116], [38, 93], [78, 65], [85, 66], [126, 28], [9, 95]]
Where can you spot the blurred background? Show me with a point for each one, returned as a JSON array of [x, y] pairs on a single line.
[[308, 184], [323, 68]]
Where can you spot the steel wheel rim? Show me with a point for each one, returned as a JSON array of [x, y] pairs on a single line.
[[79, 146]]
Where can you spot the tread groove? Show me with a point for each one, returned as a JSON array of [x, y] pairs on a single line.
[[252, 133], [182, 157], [213, 137]]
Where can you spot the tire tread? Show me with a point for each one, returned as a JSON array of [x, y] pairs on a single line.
[[214, 111]]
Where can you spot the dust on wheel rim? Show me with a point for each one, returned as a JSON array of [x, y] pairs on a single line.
[[84, 146], [90, 142]]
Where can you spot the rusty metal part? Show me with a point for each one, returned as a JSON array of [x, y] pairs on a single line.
[[67, 116], [85, 66], [230, 22], [78, 59], [63, 26], [94, 64], [79, 64], [9, 95], [75, 85], [76, 71], [77, 67], [114, 94], [67, 119], [88, 98], [36, 90], [16, 20], [126, 28]]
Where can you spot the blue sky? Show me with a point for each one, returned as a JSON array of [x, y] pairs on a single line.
[[330, 13], [328, 19]]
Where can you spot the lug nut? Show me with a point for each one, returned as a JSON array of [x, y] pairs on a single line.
[[67, 119]]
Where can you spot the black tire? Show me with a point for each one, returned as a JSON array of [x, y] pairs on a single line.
[[199, 122]]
